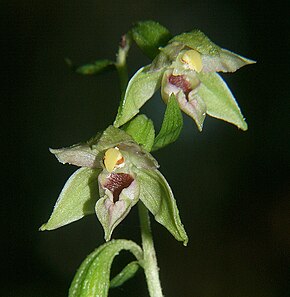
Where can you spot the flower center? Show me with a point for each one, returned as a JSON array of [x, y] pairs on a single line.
[[113, 158], [193, 59], [116, 182]]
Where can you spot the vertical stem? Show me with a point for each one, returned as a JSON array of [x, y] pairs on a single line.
[[150, 262], [121, 64]]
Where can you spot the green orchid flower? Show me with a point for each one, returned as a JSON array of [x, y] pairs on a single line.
[[115, 174], [187, 67]]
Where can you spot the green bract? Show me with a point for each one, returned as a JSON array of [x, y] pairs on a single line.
[[186, 68], [93, 276], [116, 172], [149, 36]]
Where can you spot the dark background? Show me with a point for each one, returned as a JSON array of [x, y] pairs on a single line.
[[232, 187]]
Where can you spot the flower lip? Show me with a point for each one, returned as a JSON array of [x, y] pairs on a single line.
[[180, 82], [117, 182]]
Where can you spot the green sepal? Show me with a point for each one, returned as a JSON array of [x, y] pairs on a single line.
[[90, 153], [149, 36], [96, 67], [142, 131], [127, 273], [197, 40], [81, 154], [93, 276], [226, 61], [157, 196], [111, 137], [140, 89], [219, 100], [77, 199], [171, 125]]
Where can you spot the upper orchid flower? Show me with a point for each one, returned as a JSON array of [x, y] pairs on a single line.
[[186, 67]]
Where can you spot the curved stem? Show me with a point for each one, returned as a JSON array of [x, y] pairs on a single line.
[[150, 262]]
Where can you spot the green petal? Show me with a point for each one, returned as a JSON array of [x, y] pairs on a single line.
[[93, 276], [171, 125], [219, 100], [226, 61], [157, 196], [77, 199], [140, 89], [149, 36], [142, 130], [137, 156], [194, 106]]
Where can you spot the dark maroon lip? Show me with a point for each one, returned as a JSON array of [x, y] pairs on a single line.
[[180, 82], [116, 182]]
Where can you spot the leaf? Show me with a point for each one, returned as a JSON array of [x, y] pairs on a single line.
[[140, 89], [128, 272], [149, 36], [93, 276], [77, 199], [96, 67], [197, 40], [219, 100], [142, 131], [157, 196], [171, 125]]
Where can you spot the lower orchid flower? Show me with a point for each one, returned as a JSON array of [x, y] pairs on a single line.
[[115, 174]]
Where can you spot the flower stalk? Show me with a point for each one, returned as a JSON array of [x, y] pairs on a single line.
[[150, 261]]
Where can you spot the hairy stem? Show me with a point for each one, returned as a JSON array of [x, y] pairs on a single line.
[[150, 262]]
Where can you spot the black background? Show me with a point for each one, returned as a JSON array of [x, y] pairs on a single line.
[[232, 187]]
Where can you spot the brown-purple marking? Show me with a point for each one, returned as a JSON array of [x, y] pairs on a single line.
[[180, 82], [116, 182]]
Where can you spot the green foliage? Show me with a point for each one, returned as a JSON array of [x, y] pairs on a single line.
[[77, 199], [149, 36], [96, 67], [93, 276], [142, 131], [171, 125], [219, 100], [128, 272], [157, 196]]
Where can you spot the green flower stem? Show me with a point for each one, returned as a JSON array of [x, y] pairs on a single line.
[[150, 262], [121, 63]]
